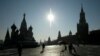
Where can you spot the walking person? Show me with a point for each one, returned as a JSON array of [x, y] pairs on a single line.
[[43, 47], [71, 49], [65, 47], [19, 49]]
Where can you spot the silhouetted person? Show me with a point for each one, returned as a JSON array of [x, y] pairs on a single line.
[[43, 47], [65, 47], [19, 49], [71, 49]]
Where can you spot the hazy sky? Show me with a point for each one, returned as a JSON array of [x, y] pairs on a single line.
[[66, 16]]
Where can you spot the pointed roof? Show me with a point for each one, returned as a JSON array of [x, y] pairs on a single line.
[[82, 15], [23, 23], [70, 33], [7, 37], [59, 34], [7, 34], [49, 38], [82, 11]]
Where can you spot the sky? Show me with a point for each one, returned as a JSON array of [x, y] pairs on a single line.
[[66, 16]]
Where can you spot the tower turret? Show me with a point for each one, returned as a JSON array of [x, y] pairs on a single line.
[[82, 16], [59, 35], [23, 27], [30, 33], [49, 40], [7, 39], [13, 27], [70, 33], [30, 28]]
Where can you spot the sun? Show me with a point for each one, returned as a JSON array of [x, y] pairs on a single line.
[[50, 16]]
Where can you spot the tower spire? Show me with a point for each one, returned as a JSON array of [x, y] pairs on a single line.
[[24, 15], [82, 15], [23, 24], [59, 34], [24, 18], [82, 8], [70, 33], [7, 38]]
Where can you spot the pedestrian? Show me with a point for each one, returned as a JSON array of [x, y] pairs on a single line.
[[71, 49], [43, 46], [65, 47], [20, 49]]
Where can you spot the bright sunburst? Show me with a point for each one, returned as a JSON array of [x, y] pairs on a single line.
[[50, 16]]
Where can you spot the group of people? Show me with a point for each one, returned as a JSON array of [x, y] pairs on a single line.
[[71, 48]]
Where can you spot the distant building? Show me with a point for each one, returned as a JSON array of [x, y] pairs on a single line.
[[70, 33], [82, 31], [95, 37], [82, 26], [22, 36], [49, 41], [26, 35], [59, 35], [82, 36]]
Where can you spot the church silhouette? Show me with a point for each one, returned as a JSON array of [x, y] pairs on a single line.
[[21, 36]]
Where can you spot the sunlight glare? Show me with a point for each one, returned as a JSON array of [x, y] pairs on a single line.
[[50, 16]]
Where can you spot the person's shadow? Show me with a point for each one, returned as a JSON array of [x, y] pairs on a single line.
[[42, 51], [74, 54]]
